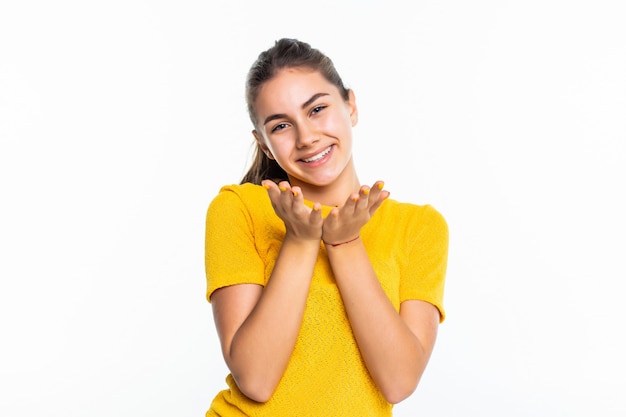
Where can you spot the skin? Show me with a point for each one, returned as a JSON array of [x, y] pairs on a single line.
[[301, 115]]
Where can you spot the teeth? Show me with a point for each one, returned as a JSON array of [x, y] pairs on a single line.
[[318, 156]]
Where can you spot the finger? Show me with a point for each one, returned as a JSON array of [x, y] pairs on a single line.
[[350, 206], [374, 195], [286, 195], [272, 191], [331, 221], [315, 218], [268, 185], [364, 198], [334, 214], [284, 186], [375, 192], [297, 201], [381, 197]]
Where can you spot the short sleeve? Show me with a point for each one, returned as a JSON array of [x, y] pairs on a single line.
[[230, 251], [426, 263]]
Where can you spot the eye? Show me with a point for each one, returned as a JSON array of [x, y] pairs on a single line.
[[279, 127], [317, 109]]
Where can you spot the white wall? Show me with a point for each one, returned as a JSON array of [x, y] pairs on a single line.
[[120, 120]]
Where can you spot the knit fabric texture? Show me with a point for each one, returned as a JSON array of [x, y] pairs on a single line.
[[326, 376]]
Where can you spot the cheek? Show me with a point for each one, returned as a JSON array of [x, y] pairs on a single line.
[[279, 147], [336, 122]]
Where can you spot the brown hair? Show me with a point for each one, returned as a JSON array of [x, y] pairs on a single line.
[[286, 53]]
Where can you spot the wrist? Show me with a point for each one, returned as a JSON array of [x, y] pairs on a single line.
[[302, 240], [341, 243]]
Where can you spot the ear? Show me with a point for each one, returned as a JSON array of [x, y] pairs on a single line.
[[354, 111], [262, 145]]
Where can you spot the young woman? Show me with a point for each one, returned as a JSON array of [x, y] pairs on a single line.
[[326, 294]]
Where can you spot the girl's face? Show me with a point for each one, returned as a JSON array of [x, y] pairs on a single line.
[[306, 126]]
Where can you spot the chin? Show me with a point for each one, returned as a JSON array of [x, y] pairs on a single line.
[[323, 181]]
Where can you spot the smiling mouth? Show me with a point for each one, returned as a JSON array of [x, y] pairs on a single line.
[[318, 156]]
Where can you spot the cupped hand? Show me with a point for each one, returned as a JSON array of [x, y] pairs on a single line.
[[344, 224], [301, 222]]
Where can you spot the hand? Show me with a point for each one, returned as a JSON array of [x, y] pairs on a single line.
[[301, 222], [345, 223]]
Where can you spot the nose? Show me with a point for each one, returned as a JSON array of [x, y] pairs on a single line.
[[308, 134]]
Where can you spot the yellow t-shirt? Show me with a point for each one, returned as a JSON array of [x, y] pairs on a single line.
[[326, 376]]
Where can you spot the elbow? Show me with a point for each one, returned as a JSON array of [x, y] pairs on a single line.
[[397, 396], [399, 385], [400, 390], [259, 396], [256, 389], [394, 397]]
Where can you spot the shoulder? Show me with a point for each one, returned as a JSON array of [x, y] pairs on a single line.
[[243, 195], [412, 223], [412, 213], [245, 201], [245, 192]]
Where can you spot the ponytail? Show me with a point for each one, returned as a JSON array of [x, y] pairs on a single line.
[[263, 168]]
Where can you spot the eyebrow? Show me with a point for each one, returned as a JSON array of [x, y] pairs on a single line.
[[304, 106]]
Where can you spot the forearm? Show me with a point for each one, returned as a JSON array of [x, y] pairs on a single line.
[[261, 347], [392, 353]]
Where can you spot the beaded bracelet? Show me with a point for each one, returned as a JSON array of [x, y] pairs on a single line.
[[341, 243]]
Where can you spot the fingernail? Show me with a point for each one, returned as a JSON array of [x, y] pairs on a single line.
[[381, 185], [366, 191], [266, 186], [295, 193], [281, 188]]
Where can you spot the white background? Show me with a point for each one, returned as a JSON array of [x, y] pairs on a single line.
[[120, 120]]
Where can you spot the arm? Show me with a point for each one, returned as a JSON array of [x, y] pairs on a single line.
[[258, 326], [395, 347]]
